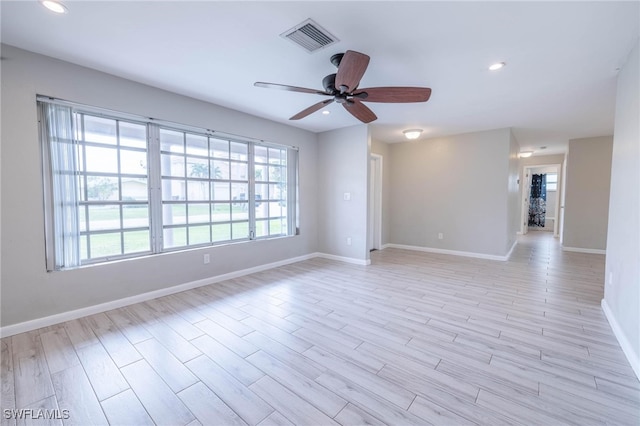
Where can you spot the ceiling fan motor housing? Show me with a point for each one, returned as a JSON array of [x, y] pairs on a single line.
[[329, 84], [335, 59]]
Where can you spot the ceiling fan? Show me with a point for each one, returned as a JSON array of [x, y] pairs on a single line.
[[343, 89]]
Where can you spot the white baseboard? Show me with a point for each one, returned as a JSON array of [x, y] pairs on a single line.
[[351, 260], [454, 252], [10, 330], [510, 252], [584, 250], [629, 352]]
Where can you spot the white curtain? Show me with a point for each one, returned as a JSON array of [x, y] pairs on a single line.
[[62, 149]]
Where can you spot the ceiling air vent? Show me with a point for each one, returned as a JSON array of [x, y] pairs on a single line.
[[310, 36]]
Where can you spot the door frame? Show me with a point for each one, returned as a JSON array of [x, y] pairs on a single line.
[[374, 231], [526, 196], [527, 189]]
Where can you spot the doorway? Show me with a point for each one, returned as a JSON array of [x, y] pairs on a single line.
[[541, 198], [374, 232]]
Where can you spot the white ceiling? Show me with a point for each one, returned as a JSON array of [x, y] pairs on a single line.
[[559, 82]]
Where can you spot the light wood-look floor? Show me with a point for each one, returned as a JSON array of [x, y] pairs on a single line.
[[414, 338]]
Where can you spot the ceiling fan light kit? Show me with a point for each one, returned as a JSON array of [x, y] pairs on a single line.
[[343, 89]]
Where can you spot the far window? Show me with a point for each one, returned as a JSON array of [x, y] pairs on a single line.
[[552, 181]]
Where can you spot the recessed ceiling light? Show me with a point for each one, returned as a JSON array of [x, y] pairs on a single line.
[[325, 112], [412, 133], [497, 66], [54, 6]]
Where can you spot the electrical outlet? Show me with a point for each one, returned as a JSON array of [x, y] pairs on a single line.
[[348, 241], [440, 236], [206, 259]]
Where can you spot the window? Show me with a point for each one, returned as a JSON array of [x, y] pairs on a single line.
[[271, 191], [205, 189], [118, 186], [113, 205], [552, 181]]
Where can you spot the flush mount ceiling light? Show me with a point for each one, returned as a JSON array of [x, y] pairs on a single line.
[[496, 66], [412, 133], [325, 112], [54, 6], [525, 154]]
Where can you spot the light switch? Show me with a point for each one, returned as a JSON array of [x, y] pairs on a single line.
[[347, 196]]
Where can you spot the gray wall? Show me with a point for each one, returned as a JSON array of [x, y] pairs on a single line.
[[459, 186], [343, 167], [622, 288], [586, 205], [28, 291], [513, 192], [382, 149]]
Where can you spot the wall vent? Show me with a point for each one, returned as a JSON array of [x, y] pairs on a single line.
[[310, 36]]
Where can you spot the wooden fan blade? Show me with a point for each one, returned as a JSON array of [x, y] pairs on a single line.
[[360, 111], [395, 94], [289, 88], [351, 69], [311, 109]]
